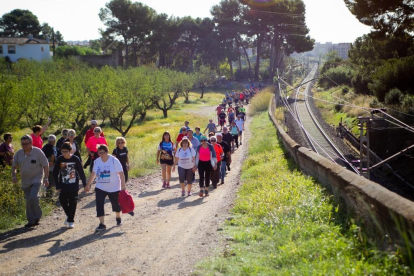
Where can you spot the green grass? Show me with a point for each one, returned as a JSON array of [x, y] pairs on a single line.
[[261, 101], [285, 224]]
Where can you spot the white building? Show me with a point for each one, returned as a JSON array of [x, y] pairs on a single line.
[[24, 48], [321, 49]]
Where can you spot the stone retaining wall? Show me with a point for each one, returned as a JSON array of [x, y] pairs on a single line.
[[385, 216]]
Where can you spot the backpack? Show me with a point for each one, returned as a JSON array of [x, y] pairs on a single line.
[[127, 202]]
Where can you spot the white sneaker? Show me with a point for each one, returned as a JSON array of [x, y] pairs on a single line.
[[71, 225], [66, 221]]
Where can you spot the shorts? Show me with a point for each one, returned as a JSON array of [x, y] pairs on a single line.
[[167, 162], [185, 174]]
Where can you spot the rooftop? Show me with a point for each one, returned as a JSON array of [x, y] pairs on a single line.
[[22, 40]]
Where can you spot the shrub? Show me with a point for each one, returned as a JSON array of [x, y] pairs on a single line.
[[345, 90], [337, 76], [374, 103], [408, 104], [393, 97], [260, 102], [339, 106]]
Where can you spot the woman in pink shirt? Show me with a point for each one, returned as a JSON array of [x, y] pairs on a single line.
[[206, 161], [93, 144], [37, 134]]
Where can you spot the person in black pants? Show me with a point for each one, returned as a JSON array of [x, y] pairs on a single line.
[[66, 173], [206, 161], [121, 152], [229, 139]]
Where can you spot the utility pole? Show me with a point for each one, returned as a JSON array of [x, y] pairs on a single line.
[[364, 129], [53, 41]]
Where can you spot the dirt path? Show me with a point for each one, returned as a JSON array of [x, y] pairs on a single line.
[[167, 235]]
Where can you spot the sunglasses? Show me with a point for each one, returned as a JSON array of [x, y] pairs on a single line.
[[97, 131], [203, 140], [213, 140], [71, 134]]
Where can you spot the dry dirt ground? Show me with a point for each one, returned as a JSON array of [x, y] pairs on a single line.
[[168, 235]]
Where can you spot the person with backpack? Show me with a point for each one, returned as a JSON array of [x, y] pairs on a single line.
[[93, 144], [222, 117], [206, 161], [185, 160], [231, 116], [6, 150], [110, 180], [67, 172], [165, 157], [121, 153]]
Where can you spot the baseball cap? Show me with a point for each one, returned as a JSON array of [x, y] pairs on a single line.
[[51, 137], [219, 134], [94, 122]]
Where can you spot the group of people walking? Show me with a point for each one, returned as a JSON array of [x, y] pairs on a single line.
[[59, 164], [210, 155]]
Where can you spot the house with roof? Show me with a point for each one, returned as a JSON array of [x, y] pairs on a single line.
[[25, 48]]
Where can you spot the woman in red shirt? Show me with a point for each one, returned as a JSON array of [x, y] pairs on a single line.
[[215, 174], [93, 144], [37, 134]]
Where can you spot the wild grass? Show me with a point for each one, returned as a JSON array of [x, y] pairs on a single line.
[[260, 102], [285, 224], [354, 106]]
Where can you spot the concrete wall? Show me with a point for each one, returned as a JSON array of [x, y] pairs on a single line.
[[385, 216], [27, 51]]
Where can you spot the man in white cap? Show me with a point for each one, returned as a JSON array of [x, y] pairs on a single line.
[[88, 135], [51, 154]]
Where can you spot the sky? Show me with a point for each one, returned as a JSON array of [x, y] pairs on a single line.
[[328, 20]]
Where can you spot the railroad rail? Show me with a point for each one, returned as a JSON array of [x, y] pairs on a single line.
[[315, 134]]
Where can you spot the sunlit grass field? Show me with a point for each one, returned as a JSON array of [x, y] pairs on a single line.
[[332, 113], [286, 224]]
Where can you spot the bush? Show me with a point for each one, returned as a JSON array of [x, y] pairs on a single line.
[[394, 73], [67, 51], [408, 104], [339, 106], [393, 97], [374, 103], [345, 90], [337, 76]]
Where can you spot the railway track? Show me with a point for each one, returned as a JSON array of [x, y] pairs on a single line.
[[315, 134]]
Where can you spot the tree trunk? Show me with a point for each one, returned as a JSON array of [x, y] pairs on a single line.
[[164, 112], [248, 62], [142, 116], [231, 69], [258, 53], [126, 52], [202, 90]]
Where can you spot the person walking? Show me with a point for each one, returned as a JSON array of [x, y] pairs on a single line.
[[206, 161], [50, 152], [180, 136], [37, 134], [90, 133], [165, 157], [186, 125], [6, 150], [121, 152], [222, 117], [75, 147], [67, 172], [226, 156], [93, 144], [234, 131], [211, 127], [61, 140], [194, 141], [219, 108], [240, 125], [185, 160], [33, 169], [228, 138], [215, 174], [197, 133], [110, 180]]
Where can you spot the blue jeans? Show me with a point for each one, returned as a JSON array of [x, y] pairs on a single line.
[[223, 170]]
